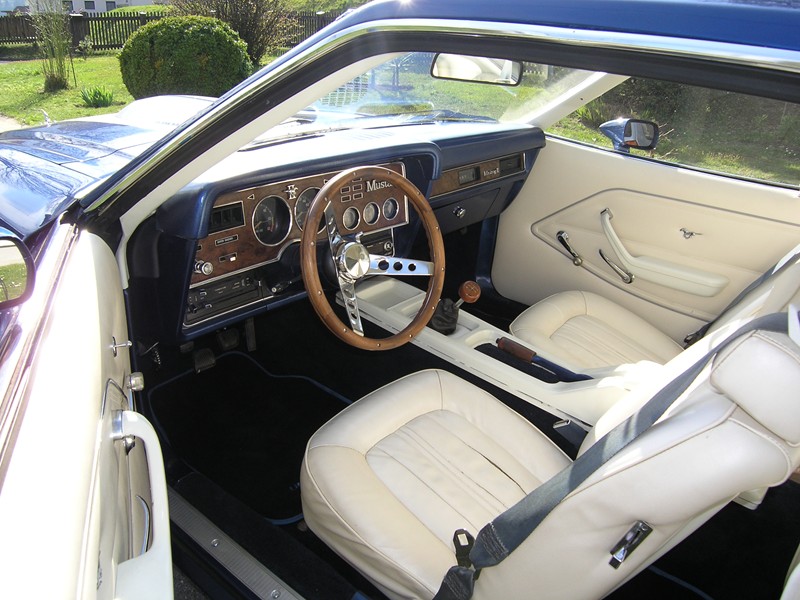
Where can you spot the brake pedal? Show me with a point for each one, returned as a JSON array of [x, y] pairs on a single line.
[[204, 359]]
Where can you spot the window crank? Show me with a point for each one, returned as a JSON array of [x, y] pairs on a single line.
[[563, 238]]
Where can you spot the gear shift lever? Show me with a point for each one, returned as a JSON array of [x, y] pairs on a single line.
[[445, 318]]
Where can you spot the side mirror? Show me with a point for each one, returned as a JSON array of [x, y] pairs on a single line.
[[17, 272], [462, 67], [631, 133]]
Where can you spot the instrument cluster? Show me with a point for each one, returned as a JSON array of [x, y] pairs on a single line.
[[253, 226]]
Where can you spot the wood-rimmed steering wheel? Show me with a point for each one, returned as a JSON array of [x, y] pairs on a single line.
[[353, 262]]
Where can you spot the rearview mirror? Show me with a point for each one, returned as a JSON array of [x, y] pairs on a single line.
[[16, 271], [631, 133], [461, 67]]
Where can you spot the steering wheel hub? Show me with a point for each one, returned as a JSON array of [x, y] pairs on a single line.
[[353, 261]]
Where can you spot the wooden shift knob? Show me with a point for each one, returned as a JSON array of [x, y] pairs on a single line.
[[469, 291]]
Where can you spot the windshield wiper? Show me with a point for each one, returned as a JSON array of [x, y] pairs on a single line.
[[438, 116]]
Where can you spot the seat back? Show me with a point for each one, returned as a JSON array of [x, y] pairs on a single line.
[[773, 294], [736, 428]]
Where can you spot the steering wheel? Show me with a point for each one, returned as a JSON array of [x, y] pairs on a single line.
[[353, 262]]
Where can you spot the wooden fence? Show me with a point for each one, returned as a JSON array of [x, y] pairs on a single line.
[[109, 31]]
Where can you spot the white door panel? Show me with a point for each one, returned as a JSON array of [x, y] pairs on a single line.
[[66, 503], [741, 229]]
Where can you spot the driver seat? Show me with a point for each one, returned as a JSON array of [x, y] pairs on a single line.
[[388, 481]]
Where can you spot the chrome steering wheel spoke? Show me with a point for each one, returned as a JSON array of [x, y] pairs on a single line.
[[348, 289], [386, 265], [334, 237]]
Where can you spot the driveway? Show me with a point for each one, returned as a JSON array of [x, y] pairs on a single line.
[[6, 124]]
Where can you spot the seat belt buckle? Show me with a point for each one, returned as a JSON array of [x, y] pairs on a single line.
[[463, 543], [629, 542]]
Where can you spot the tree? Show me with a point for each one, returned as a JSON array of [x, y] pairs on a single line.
[[262, 24], [324, 5]]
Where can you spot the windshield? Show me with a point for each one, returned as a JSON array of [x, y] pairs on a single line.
[[402, 91]]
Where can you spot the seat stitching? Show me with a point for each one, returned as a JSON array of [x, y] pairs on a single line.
[[468, 484], [436, 457], [425, 484], [598, 338]]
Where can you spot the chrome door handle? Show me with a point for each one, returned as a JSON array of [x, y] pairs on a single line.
[[623, 274], [563, 238]]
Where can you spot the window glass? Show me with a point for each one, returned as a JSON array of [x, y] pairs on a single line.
[[88, 4], [68, 5], [111, 5], [720, 131], [402, 91]]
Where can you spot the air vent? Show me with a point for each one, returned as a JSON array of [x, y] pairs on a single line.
[[511, 164], [226, 217]]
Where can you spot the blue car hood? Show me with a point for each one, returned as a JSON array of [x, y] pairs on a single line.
[[42, 168]]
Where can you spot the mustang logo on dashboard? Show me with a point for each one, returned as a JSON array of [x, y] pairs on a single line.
[[377, 185]]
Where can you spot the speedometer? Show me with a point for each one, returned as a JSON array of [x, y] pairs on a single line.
[[272, 220], [302, 205]]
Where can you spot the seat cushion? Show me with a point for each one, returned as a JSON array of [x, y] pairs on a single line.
[[585, 331], [388, 481]]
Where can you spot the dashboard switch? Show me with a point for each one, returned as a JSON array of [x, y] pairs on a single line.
[[203, 268]]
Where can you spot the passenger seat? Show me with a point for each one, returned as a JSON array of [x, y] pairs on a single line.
[[587, 331]]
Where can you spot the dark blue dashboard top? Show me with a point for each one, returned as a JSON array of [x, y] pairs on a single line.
[[443, 145]]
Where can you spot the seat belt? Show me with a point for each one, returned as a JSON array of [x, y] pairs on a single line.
[[780, 266], [507, 531]]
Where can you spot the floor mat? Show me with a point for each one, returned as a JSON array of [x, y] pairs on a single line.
[[245, 429]]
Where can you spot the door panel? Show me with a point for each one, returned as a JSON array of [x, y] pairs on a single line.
[[66, 506], [740, 230]]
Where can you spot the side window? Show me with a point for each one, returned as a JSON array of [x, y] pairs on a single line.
[[725, 132]]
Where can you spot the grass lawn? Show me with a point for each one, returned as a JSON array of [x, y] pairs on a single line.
[[21, 86], [22, 98]]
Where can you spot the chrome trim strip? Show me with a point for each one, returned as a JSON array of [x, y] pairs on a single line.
[[146, 535], [28, 332], [255, 576], [760, 57]]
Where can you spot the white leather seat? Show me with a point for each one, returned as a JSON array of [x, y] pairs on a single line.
[[582, 330], [388, 481], [589, 331]]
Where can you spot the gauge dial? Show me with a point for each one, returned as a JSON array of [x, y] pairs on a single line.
[[371, 213], [302, 206], [272, 220], [351, 218], [390, 208]]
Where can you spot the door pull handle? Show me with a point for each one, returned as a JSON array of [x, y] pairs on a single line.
[[623, 274], [563, 238]]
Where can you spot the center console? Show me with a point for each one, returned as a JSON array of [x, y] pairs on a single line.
[[391, 304]]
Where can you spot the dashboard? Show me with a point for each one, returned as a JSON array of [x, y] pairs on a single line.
[[254, 226], [225, 248]]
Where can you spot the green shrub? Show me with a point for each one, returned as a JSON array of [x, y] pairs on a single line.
[[86, 47], [53, 39], [262, 24], [97, 96], [183, 55]]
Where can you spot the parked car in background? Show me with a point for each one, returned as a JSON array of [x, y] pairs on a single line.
[[583, 199]]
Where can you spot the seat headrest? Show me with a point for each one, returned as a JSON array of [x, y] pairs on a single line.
[[761, 374]]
